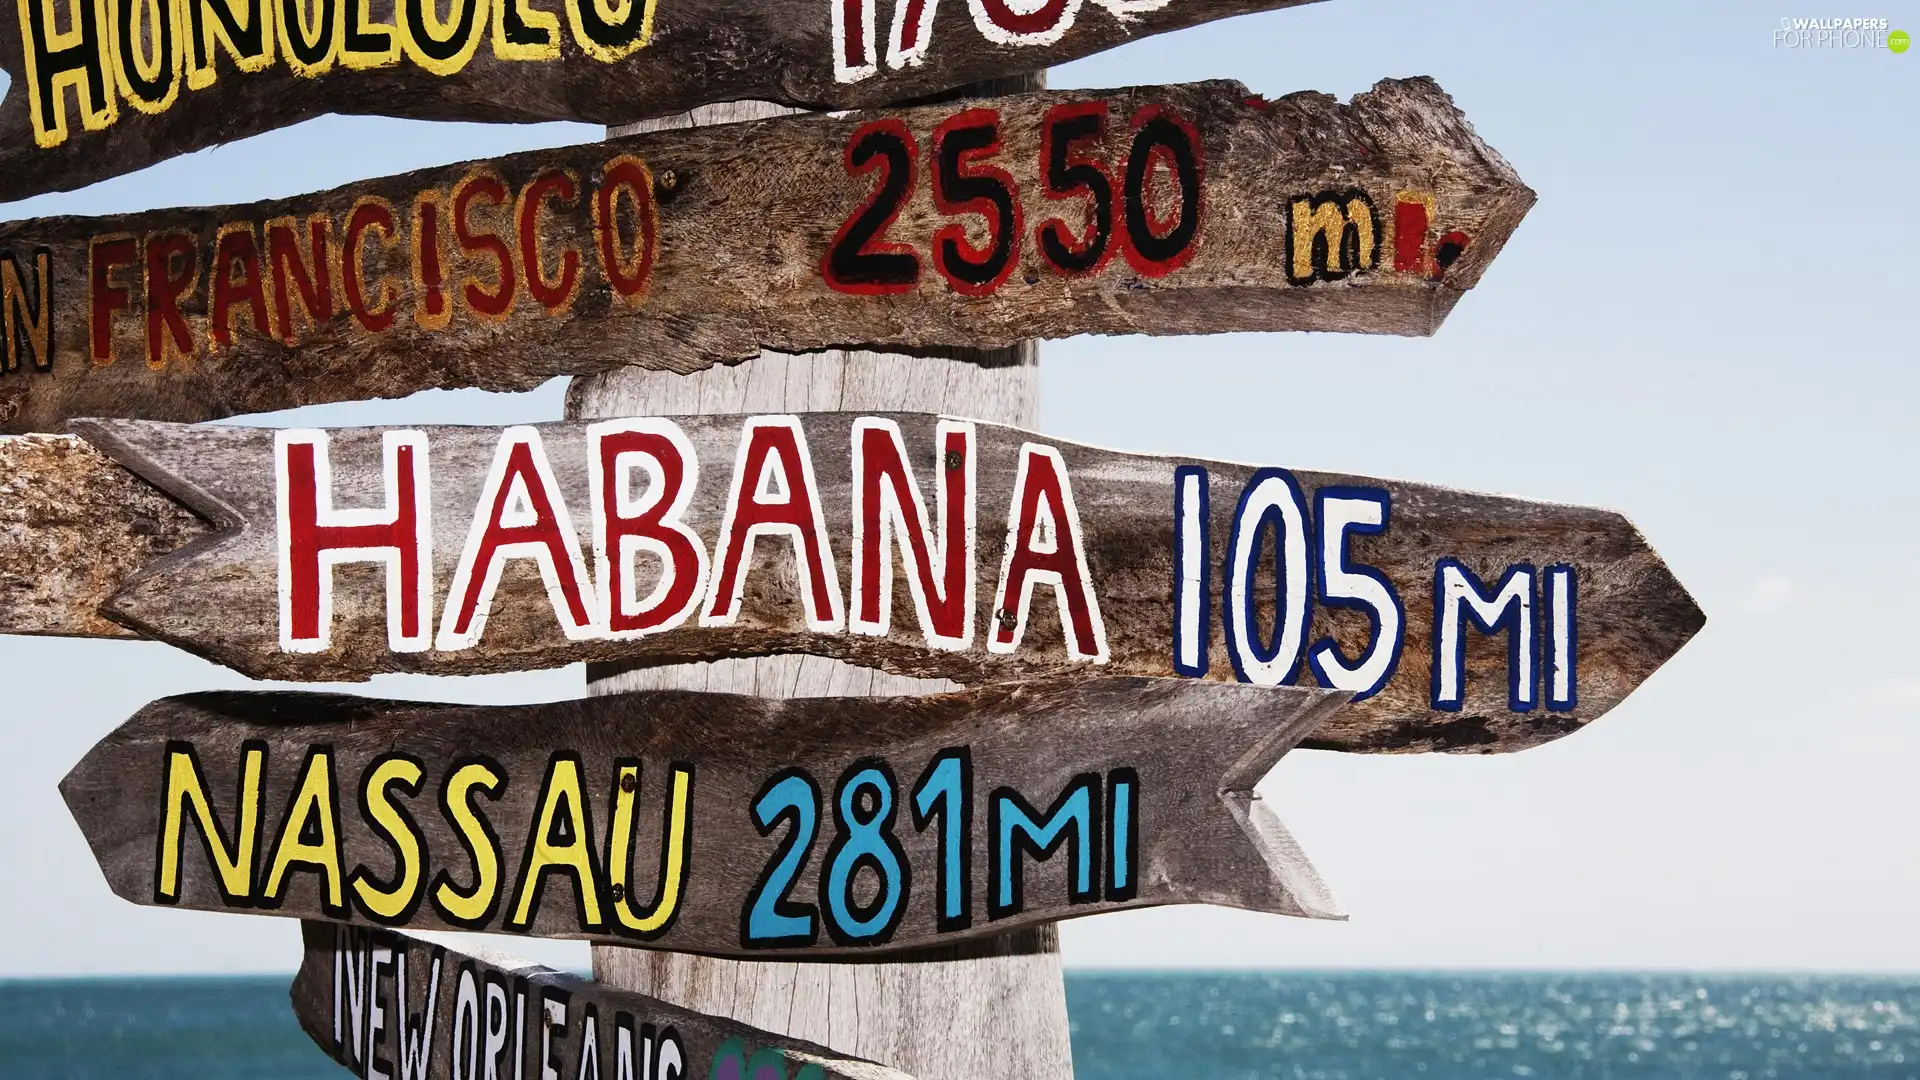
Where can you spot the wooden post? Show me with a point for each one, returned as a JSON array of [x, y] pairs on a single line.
[[996, 1008]]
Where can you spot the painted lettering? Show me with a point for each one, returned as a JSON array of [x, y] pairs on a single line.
[[105, 255], [98, 51], [379, 967], [365, 43], [860, 820], [1123, 837], [478, 246], [239, 28], [369, 214], [774, 494], [1505, 608], [26, 310], [465, 1035], [1164, 142], [472, 907], [889, 514], [148, 53], [416, 1029], [1192, 577], [1330, 236], [307, 278], [1071, 174], [309, 35], [963, 185], [236, 280], [310, 837], [1045, 546], [1017, 830], [489, 302], [560, 188], [524, 32], [861, 260], [1340, 513], [444, 46], [560, 841], [392, 903], [1271, 503], [627, 266], [172, 275], [654, 523], [230, 853], [656, 918], [559, 844], [314, 537], [610, 30], [1154, 214], [1563, 636], [59, 60], [521, 515], [1003, 22]]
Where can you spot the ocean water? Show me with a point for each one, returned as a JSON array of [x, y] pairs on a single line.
[[1136, 1026]]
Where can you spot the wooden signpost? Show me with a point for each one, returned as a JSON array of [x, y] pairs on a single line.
[[1167, 210], [1142, 637], [916, 544], [711, 823], [103, 88], [393, 1007]]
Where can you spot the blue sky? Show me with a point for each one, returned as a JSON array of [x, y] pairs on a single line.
[[1707, 323]]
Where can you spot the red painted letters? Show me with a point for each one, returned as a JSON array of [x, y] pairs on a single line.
[[314, 538], [773, 493]]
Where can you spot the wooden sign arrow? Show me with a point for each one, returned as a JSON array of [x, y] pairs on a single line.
[[707, 823], [104, 88], [1172, 210], [391, 1006], [922, 545]]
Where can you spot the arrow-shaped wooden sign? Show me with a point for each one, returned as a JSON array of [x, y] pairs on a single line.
[[1171, 210], [390, 1006], [925, 546], [105, 87], [708, 823]]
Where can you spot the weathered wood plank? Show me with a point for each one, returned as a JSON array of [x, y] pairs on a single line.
[[713, 823], [64, 124], [1169, 210], [73, 527], [1468, 622], [388, 1005]]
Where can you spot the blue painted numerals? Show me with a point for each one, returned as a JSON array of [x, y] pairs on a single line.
[[863, 820], [771, 919], [1090, 831], [944, 796]]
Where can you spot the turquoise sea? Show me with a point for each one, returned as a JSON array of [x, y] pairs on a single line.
[[1141, 1026]]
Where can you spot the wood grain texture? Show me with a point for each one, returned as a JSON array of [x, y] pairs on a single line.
[[73, 527], [723, 50], [721, 824], [385, 1004], [678, 250], [1597, 609]]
